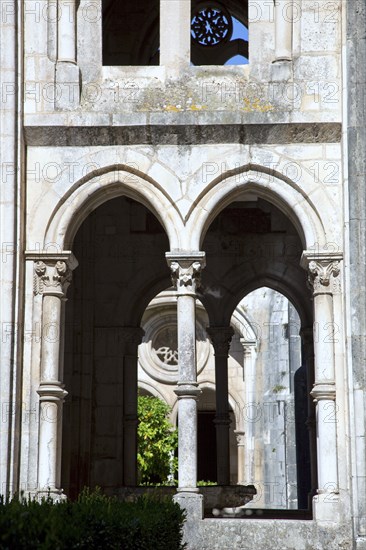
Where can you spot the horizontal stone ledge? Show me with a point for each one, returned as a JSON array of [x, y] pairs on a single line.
[[248, 134]]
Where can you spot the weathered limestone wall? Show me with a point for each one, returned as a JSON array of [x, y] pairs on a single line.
[[11, 243], [356, 235]]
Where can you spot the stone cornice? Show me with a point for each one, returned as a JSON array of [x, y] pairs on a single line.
[[184, 129]]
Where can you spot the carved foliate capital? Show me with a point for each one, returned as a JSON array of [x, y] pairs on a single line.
[[323, 271], [51, 278], [221, 339], [186, 271], [240, 438], [52, 272], [320, 273]]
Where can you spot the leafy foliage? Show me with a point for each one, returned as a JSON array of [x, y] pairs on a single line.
[[94, 521], [157, 441]]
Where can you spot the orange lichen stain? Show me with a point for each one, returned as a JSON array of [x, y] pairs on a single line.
[[172, 108], [256, 105], [196, 107]]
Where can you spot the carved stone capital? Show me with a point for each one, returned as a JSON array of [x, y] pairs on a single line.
[[221, 339], [186, 270], [321, 274], [52, 272], [323, 271], [248, 346], [240, 438]]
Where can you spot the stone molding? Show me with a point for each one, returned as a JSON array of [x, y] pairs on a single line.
[[324, 391], [187, 390], [221, 339], [51, 390]]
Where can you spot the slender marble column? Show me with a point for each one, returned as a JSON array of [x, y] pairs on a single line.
[[130, 339], [186, 269], [283, 30], [240, 440], [221, 338], [175, 21], [67, 31], [323, 276], [51, 279], [67, 93]]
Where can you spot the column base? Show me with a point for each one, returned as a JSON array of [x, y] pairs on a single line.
[[327, 507], [192, 503]]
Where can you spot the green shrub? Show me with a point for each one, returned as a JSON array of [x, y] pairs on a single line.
[[93, 522], [157, 441]]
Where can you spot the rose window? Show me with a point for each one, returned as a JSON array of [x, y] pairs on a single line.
[[211, 26]]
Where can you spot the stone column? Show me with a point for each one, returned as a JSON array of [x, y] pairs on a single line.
[[67, 93], [282, 65], [221, 338], [175, 34], [323, 273], [52, 276], [240, 440], [283, 30], [130, 339], [186, 270]]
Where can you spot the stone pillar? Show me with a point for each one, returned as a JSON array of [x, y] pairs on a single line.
[[67, 93], [323, 273], [130, 338], [240, 440], [175, 21], [221, 338], [186, 270], [52, 276]]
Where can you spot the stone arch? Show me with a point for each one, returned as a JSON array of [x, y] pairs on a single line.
[[102, 185], [267, 184]]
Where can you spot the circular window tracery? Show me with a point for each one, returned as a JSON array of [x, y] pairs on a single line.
[[211, 25], [158, 352]]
